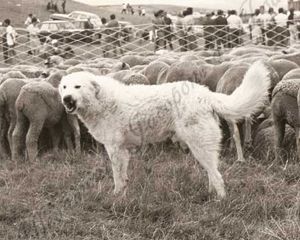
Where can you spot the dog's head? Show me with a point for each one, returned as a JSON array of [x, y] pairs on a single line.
[[78, 90]]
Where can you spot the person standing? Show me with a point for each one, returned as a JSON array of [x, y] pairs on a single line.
[[255, 28], [221, 29], [34, 41], [9, 42], [180, 32], [113, 29], [235, 25], [123, 8], [143, 12], [158, 30], [63, 5], [139, 10], [281, 20], [292, 26], [267, 20], [28, 20], [208, 29], [168, 30], [4, 45], [88, 30], [188, 23]]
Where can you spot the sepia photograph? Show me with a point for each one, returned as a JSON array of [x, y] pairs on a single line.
[[150, 120]]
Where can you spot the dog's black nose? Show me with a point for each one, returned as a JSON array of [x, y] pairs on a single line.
[[67, 99]]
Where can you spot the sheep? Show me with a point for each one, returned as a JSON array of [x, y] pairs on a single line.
[[292, 74], [248, 49], [80, 68], [282, 66], [183, 71], [97, 70], [167, 60], [285, 109], [28, 70], [55, 61], [162, 75], [129, 77], [138, 68], [213, 60], [11, 74], [211, 74], [39, 104], [133, 60], [293, 57], [263, 140], [9, 92], [153, 70], [231, 79], [119, 66], [186, 58]]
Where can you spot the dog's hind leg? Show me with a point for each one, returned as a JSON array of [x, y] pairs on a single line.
[[119, 157], [203, 142], [209, 161]]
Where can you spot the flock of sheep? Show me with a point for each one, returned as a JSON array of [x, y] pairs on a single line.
[[30, 103]]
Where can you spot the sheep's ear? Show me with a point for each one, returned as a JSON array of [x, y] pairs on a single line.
[[97, 89], [123, 65]]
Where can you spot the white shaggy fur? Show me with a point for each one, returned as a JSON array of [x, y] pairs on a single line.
[[120, 116]]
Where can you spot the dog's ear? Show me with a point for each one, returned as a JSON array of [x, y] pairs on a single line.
[[97, 89]]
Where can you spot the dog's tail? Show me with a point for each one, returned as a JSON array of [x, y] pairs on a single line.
[[248, 98]]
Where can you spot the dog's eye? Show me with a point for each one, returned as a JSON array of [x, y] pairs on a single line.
[[64, 87], [77, 86]]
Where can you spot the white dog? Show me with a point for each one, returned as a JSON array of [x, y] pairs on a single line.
[[120, 116]]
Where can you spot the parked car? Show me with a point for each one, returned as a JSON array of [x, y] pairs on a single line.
[[65, 31], [78, 15], [92, 35]]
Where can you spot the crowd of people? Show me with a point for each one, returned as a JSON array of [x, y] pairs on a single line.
[[226, 30], [163, 30], [270, 29], [128, 9], [220, 30], [53, 6]]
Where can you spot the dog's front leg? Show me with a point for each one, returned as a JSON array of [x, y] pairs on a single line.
[[119, 157]]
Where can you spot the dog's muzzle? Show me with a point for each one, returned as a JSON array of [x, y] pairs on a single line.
[[69, 103]]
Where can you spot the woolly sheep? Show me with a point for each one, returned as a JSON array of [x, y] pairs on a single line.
[[133, 60], [285, 109], [282, 66], [39, 103], [9, 92], [129, 77], [293, 57], [153, 70], [292, 74], [231, 79]]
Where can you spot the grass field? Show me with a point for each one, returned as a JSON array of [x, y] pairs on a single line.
[[61, 196], [65, 196]]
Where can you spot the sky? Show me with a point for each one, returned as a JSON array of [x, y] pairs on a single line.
[[248, 5]]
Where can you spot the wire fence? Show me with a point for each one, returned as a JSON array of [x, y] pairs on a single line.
[[142, 39]]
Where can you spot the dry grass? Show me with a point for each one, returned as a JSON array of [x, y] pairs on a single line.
[[62, 196]]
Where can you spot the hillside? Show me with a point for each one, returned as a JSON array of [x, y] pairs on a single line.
[[18, 12]]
